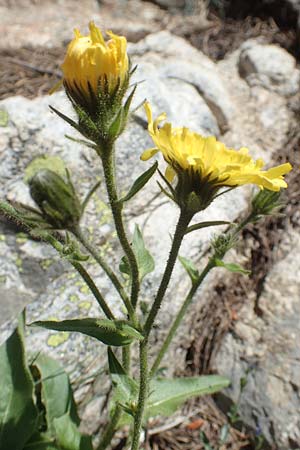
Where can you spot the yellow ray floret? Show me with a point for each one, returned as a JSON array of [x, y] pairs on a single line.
[[187, 151], [90, 59]]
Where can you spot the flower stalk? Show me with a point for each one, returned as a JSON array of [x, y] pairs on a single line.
[[109, 272], [182, 224], [116, 207]]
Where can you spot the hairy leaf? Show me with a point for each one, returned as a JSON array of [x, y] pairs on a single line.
[[144, 258], [18, 414], [166, 395], [190, 268], [115, 333], [139, 183], [232, 267]]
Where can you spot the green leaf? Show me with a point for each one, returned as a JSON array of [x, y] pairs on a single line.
[[200, 225], [82, 142], [190, 268], [115, 333], [125, 388], [144, 259], [18, 414], [139, 183], [232, 267], [117, 125], [41, 441], [68, 435], [56, 392], [166, 395], [128, 101]]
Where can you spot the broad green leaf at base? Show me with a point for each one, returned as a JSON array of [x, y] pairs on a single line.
[[166, 395], [18, 413]]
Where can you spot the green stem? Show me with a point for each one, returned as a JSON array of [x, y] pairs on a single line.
[[97, 294], [188, 300], [183, 221], [84, 274], [126, 358], [143, 392], [109, 272], [179, 317], [116, 207], [110, 429]]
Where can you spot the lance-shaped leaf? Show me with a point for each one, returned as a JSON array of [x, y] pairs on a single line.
[[166, 395], [56, 393], [200, 225], [139, 183], [114, 333], [144, 259], [232, 267], [190, 268], [68, 435], [125, 388], [18, 414]]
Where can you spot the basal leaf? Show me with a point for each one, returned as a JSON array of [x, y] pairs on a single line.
[[166, 395], [18, 414], [41, 441], [56, 392], [139, 183], [68, 435], [114, 333], [232, 267]]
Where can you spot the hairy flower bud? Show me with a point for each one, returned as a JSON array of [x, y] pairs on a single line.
[[56, 198], [95, 70]]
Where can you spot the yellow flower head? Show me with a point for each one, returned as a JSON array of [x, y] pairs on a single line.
[[92, 61], [206, 162], [203, 165]]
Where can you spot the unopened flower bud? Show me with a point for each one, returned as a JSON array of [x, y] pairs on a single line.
[[56, 198], [266, 203]]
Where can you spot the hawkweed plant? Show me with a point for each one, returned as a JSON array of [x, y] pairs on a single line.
[[96, 79]]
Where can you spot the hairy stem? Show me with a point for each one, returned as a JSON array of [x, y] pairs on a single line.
[[110, 429], [179, 317], [116, 207], [85, 276], [143, 392], [188, 300], [109, 272], [97, 294], [183, 221]]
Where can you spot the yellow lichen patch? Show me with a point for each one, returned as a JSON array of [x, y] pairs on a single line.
[[84, 289], [57, 339], [53, 163], [21, 238], [46, 263], [85, 305]]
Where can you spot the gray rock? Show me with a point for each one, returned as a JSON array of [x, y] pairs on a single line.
[[270, 345], [269, 66], [184, 63]]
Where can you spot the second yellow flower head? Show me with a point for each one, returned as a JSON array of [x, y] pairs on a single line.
[[92, 61], [210, 160]]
